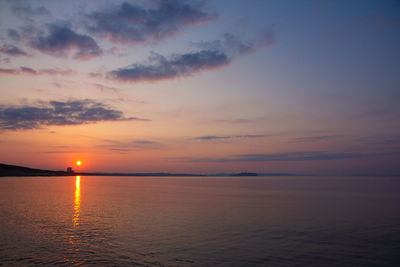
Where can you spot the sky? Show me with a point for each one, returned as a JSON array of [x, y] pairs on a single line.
[[268, 86]]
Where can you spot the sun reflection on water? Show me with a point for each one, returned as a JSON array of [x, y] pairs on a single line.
[[72, 252], [77, 201]]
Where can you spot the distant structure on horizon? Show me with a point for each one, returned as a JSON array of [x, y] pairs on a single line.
[[245, 174], [69, 170]]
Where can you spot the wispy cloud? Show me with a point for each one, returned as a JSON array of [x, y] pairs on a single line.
[[63, 151], [234, 46], [73, 112], [29, 11], [130, 23], [30, 71], [12, 50], [242, 120], [314, 138], [160, 68], [129, 145], [213, 55], [290, 156], [60, 150], [61, 39], [13, 34], [103, 88], [219, 137]]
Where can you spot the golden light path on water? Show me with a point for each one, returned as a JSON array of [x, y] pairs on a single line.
[[77, 201], [70, 257]]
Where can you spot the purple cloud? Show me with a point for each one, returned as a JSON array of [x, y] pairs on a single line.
[[129, 145], [314, 138], [12, 50], [60, 40], [13, 34], [212, 55], [160, 68], [74, 112], [30, 71], [28, 11], [219, 137], [130, 23]]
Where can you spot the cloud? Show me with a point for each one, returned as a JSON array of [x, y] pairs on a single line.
[[130, 145], [13, 34], [235, 46], [161, 68], [213, 54], [212, 137], [290, 156], [130, 23], [314, 138], [103, 88], [12, 50], [8, 71], [60, 40], [73, 112], [216, 137], [56, 71], [28, 11], [63, 151], [243, 120], [59, 149], [145, 142], [30, 71]]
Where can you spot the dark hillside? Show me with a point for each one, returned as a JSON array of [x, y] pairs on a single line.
[[12, 170]]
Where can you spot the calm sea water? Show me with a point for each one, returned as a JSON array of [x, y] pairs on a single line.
[[199, 221]]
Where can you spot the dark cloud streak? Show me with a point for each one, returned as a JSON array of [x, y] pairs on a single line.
[[291, 156], [26, 70], [129, 145], [12, 50], [314, 138], [219, 137], [74, 112], [161, 68]]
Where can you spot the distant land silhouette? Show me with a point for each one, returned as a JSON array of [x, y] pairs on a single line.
[[13, 170]]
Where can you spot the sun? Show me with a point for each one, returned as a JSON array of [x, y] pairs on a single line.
[[78, 162]]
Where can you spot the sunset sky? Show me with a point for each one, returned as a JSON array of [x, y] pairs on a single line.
[[308, 87]]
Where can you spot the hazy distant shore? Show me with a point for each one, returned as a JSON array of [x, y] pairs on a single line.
[[18, 171], [13, 170]]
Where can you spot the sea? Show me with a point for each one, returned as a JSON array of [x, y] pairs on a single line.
[[200, 221]]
